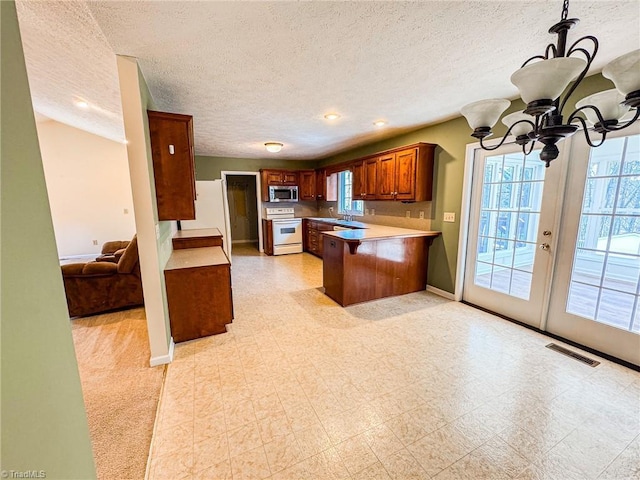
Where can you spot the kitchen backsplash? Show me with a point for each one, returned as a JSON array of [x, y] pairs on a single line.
[[393, 214], [302, 209]]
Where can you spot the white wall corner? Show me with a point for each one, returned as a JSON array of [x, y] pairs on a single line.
[[440, 292], [163, 359]]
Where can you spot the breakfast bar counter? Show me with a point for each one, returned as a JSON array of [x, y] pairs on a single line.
[[374, 262]]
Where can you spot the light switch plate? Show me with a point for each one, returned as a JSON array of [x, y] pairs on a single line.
[[449, 217], [373, 211]]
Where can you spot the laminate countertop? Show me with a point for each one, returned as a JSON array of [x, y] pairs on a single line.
[[198, 233], [368, 231], [196, 257]]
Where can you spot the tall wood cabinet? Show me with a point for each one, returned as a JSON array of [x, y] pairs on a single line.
[[173, 165]]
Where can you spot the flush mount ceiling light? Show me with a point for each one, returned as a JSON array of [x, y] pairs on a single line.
[[80, 103], [332, 116], [379, 123], [273, 147], [542, 80]]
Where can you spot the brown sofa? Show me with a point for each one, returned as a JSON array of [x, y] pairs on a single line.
[[96, 287], [112, 251]]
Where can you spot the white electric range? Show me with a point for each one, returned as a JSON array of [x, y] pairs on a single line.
[[287, 230]]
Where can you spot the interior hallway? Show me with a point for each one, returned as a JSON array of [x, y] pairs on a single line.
[[407, 387]]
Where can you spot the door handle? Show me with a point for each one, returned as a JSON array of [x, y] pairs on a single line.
[[544, 246]]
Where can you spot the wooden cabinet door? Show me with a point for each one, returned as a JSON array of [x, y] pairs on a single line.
[[274, 177], [357, 181], [386, 177], [307, 184], [370, 178], [321, 184], [289, 178], [173, 165], [405, 175]]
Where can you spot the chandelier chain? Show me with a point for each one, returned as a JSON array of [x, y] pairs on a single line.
[[565, 10]]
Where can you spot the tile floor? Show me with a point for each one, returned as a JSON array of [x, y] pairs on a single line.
[[412, 387]]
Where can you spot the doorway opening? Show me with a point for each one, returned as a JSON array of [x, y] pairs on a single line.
[[242, 192]]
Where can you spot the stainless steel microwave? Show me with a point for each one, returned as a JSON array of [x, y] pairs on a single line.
[[283, 194]]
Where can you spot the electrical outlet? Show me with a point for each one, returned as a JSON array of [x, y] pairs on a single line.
[[366, 211], [408, 214], [373, 211], [95, 242], [449, 217], [421, 214], [331, 209]]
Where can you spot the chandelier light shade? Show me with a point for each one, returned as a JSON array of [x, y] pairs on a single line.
[[485, 113], [546, 79], [521, 122], [623, 72], [610, 103], [273, 147], [544, 82]]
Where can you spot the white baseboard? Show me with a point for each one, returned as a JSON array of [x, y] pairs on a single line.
[[440, 292], [164, 359]]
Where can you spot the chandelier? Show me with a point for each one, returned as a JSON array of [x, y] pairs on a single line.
[[542, 80]]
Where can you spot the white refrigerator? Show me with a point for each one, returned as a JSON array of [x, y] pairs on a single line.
[[211, 211]]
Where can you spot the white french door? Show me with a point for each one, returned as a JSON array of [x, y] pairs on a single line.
[[510, 239], [596, 284]]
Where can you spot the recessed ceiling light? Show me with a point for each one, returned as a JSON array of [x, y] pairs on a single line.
[[332, 116], [380, 123], [273, 147], [81, 103]]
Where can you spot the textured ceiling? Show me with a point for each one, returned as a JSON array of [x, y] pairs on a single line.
[[251, 72]]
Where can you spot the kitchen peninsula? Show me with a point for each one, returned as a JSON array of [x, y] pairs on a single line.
[[374, 261]]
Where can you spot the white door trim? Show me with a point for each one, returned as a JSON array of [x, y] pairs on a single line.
[[224, 174], [465, 212]]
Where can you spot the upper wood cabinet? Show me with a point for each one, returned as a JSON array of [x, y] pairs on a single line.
[[173, 165], [270, 177], [404, 174], [307, 184], [357, 180], [321, 184]]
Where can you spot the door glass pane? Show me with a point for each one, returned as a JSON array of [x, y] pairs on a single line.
[[606, 265], [508, 222]]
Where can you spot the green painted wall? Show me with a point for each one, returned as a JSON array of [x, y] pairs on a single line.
[[44, 424], [452, 138], [209, 168], [164, 240]]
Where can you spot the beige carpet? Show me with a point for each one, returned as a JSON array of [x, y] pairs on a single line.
[[120, 390]]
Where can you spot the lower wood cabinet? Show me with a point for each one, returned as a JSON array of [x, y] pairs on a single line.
[[267, 236], [196, 238], [198, 283]]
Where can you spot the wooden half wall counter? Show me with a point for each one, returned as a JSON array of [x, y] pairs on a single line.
[[360, 265], [198, 281]]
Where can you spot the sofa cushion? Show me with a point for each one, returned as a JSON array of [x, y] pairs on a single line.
[[110, 247], [100, 268], [72, 269]]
